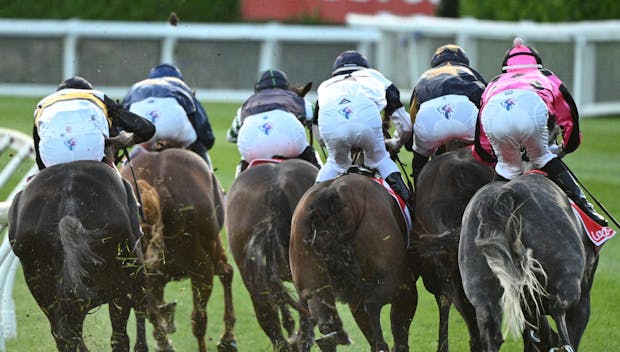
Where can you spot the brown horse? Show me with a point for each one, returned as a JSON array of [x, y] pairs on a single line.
[[444, 187], [72, 228], [259, 208], [191, 203], [348, 244]]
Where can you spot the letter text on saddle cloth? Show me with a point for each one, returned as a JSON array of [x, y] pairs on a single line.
[[596, 233]]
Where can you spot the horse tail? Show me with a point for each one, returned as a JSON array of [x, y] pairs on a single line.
[[499, 239], [78, 253], [331, 238], [268, 246]]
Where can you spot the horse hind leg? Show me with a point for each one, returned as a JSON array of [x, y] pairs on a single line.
[[67, 324], [267, 316], [322, 305], [228, 342], [119, 314], [401, 315]]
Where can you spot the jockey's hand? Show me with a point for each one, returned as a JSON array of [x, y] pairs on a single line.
[[557, 150], [393, 146], [123, 139]]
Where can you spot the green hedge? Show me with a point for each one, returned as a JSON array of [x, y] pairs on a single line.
[[541, 11], [122, 10]]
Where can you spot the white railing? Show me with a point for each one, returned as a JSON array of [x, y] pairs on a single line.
[[400, 47], [22, 147], [412, 37]]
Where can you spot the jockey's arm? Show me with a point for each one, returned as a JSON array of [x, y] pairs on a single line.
[[233, 131], [141, 128]]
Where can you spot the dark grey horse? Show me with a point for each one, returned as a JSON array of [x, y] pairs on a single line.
[[444, 187], [523, 254], [71, 228]]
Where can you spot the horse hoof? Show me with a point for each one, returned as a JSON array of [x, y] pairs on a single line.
[[227, 346], [168, 347], [328, 342]]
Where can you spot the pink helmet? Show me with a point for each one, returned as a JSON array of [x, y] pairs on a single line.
[[521, 56]]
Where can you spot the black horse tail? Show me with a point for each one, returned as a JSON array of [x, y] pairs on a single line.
[[78, 253], [267, 249], [499, 239], [331, 239]]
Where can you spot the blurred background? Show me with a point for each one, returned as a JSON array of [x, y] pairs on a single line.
[[220, 45]]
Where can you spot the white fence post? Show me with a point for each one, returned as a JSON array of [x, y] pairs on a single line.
[[14, 140]]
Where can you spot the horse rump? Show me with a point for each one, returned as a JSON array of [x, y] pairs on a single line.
[[330, 237]]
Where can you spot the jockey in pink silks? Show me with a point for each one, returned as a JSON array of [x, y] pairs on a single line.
[[517, 108]]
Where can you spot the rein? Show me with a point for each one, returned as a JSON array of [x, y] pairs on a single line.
[[135, 182]]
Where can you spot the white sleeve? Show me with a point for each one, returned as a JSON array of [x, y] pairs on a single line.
[[402, 122], [309, 110]]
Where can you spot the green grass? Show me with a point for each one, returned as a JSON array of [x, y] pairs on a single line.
[[596, 162]]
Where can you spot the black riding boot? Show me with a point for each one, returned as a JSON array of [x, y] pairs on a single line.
[[309, 155], [199, 148], [559, 174], [241, 167], [417, 164]]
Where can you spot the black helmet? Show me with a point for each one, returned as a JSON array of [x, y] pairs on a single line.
[[75, 82], [449, 52], [165, 70], [521, 56], [270, 79], [349, 61]]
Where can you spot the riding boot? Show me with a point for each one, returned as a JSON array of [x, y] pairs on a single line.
[[560, 174], [200, 149], [241, 167], [417, 164], [309, 155], [499, 177]]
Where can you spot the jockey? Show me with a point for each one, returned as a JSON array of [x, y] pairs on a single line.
[[444, 104], [75, 122], [164, 99], [349, 115], [517, 108], [270, 123]]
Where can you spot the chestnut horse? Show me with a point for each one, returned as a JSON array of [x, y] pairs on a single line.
[[444, 187], [524, 254], [73, 227], [192, 214], [348, 243], [259, 208]]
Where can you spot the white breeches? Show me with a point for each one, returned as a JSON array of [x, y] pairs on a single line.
[[517, 119], [170, 120]]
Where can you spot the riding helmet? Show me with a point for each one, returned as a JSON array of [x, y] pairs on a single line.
[[521, 56], [75, 82], [349, 61], [449, 52], [270, 79], [165, 70]]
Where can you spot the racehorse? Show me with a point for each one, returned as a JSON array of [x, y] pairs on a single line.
[[348, 243], [444, 187], [259, 208], [524, 254], [71, 228], [192, 214]]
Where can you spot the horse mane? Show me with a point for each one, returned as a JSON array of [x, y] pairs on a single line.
[[331, 240], [500, 240], [76, 245]]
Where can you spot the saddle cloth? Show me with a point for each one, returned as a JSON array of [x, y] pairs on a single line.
[[401, 203], [256, 162], [596, 233]]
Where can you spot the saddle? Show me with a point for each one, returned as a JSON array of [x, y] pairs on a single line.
[[597, 234], [375, 176]]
